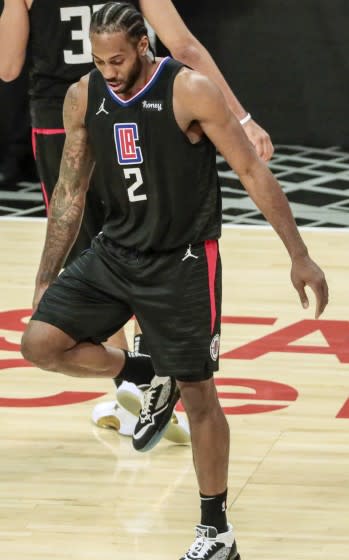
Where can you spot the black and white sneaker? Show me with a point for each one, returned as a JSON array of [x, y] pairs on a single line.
[[211, 545], [158, 404], [130, 397]]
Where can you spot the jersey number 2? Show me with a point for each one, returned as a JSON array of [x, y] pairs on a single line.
[[134, 172]]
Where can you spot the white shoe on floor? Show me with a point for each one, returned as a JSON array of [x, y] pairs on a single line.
[[130, 397], [111, 415]]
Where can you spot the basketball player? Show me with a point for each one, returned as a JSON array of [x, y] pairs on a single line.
[[57, 31], [155, 143]]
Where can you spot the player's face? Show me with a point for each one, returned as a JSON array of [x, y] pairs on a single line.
[[118, 59]]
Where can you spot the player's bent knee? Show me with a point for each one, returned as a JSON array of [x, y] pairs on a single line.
[[36, 349]]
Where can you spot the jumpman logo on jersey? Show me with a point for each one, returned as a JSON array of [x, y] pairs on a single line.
[[102, 108], [189, 254]]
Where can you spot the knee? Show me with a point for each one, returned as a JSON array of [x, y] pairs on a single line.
[[36, 349], [199, 399]]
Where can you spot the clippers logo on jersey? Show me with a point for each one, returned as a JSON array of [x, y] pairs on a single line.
[[126, 136]]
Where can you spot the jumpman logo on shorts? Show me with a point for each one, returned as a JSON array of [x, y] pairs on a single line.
[[189, 254], [102, 109]]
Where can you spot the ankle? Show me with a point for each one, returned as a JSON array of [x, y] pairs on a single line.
[[138, 369], [213, 511]]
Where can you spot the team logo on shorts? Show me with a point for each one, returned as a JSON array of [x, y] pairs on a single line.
[[126, 136], [214, 347]]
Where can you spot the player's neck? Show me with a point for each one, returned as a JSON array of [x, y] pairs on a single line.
[[149, 67]]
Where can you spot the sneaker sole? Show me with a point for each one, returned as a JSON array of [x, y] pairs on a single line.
[[175, 431], [130, 401], [109, 422], [108, 415]]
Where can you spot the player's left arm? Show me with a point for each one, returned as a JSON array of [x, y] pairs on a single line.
[[185, 47], [202, 101], [68, 197]]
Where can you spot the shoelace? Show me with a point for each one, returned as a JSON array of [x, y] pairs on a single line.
[[200, 548], [148, 401]]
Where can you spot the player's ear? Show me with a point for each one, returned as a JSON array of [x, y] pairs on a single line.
[[143, 45]]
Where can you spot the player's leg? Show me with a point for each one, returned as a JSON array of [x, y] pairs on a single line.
[[87, 304], [183, 336], [129, 395], [51, 348], [209, 434], [210, 443], [121, 414], [47, 147], [48, 142], [176, 321]]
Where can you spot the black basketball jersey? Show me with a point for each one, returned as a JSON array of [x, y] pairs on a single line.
[[160, 190], [60, 45]]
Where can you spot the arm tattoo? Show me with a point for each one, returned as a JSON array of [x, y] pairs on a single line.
[[68, 199]]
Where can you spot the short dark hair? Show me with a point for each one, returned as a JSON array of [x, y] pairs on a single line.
[[120, 16]]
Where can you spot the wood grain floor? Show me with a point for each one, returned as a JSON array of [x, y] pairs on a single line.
[[69, 490]]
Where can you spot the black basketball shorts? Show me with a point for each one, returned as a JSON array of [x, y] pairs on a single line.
[[175, 296]]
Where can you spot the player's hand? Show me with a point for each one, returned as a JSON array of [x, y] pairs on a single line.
[[305, 272], [260, 140], [40, 289]]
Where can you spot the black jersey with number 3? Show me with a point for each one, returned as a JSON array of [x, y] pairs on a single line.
[[160, 190], [60, 45]]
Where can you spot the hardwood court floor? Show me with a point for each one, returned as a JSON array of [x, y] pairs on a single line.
[[69, 490]]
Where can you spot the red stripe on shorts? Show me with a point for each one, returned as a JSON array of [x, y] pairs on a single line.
[[211, 249]]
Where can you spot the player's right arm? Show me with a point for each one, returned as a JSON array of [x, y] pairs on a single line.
[[198, 100], [68, 198], [14, 35]]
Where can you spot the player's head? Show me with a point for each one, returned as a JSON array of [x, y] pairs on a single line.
[[119, 39]]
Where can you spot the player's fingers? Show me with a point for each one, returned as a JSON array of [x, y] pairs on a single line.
[[302, 296], [258, 146], [321, 298], [268, 148], [319, 306], [264, 147]]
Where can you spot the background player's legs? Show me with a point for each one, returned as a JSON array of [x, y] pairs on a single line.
[[16, 160], [139, 344], [47, 148], [118, 340]]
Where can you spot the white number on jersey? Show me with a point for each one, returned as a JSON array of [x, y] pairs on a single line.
[[136, 172], [80, 35]]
